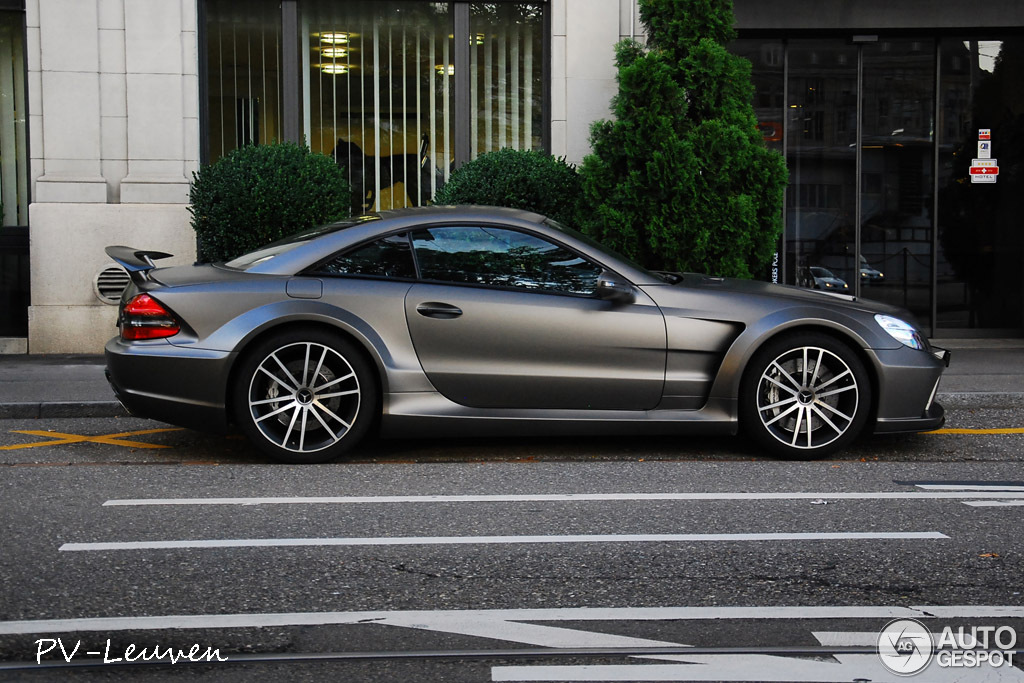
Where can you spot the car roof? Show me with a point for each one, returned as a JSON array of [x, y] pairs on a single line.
[[399, 220]]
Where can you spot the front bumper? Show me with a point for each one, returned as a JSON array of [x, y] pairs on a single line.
[[908, 382], [182, 386]]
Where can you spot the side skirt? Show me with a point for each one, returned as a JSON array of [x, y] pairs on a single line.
[[430, 414]]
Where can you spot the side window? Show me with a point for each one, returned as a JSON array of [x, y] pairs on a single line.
[[504, 258], [387, 257]]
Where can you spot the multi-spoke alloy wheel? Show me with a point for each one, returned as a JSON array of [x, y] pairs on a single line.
[[805, 396], [305, 399]]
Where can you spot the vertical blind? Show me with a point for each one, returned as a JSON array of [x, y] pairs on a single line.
[[377, 89], [506, 83], [243, 85]]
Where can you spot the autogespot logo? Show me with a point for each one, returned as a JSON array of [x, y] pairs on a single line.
[[905, 647]]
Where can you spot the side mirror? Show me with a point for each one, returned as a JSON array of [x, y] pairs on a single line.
[[611, 288]]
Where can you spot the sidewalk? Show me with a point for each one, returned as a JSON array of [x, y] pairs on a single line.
[[49, 386]]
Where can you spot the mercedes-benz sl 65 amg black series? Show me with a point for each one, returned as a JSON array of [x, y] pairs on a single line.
[[482, 321]]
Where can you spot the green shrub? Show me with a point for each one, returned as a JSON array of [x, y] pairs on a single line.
[[260, 193], [681, 180], [519, 179]]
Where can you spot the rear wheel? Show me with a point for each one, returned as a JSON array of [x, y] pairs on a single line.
[[805, 396], [304, 396]]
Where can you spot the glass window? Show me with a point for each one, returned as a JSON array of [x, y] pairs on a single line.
[[377, 91], [13, 170], [243, 79], [14, 259], [504, 258], [387, 257], [768, 77], [281, 246], [980, 240], [897, 181], [821, 154], [506, 60]]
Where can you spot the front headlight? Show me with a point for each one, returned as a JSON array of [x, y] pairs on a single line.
[[901, 331]]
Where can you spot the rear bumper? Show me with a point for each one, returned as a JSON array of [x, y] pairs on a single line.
[[181, 386]]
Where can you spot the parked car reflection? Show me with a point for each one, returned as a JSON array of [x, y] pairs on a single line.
[[869, 274], [816, 277]]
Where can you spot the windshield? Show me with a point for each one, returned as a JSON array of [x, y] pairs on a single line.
[[589, 241], [246, 261]]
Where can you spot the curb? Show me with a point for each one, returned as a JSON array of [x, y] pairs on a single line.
[[34, 410], [54, 409]]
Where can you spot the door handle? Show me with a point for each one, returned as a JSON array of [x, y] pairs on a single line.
[[433, 309]]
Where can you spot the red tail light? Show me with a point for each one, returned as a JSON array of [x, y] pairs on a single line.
[[144, 318]]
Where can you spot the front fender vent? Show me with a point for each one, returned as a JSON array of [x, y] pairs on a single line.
[[109, 283]]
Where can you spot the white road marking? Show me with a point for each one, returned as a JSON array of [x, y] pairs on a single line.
[[426, 619], [501, 540], [981, 492], [508, 626], [745, 667], [970, 487], [750, 668], [994, 503]]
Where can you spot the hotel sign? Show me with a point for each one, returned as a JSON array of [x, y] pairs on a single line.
[[984, 169]]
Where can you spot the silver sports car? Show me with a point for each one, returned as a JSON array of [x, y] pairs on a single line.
[[476, 320]]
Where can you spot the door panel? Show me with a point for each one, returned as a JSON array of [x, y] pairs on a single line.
[[522, 349]]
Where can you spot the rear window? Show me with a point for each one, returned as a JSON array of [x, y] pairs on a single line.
[[247, 261]]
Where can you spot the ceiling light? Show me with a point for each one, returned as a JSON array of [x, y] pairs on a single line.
[[333, 69], [333, 37]]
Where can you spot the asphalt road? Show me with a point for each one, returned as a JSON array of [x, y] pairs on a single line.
[[487, 560]]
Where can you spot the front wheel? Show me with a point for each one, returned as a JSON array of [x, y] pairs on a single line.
[[304, 396], [804, 396]]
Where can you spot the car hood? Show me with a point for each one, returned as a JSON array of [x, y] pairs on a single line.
[[783, 293]]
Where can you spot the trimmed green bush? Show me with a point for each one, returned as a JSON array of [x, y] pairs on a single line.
[[519, 179], [681, 180], [261, 193]]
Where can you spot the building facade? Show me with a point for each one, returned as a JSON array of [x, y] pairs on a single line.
[[107, 107]]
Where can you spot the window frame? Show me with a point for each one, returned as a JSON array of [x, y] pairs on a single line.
[[291, 78]]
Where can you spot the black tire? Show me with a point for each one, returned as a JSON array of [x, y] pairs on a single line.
[[304, 396], [804, 396]]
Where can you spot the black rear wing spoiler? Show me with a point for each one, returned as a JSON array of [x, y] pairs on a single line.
[[136, 261]]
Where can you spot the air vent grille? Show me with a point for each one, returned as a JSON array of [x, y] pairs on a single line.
[[110, 283]]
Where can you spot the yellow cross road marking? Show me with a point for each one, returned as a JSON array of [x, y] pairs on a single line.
[[1004, 430], [59, 438]]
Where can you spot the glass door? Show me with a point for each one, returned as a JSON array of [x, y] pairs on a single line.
[[897, 179], [981, 243]]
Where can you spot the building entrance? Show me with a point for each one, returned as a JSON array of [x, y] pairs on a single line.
[[881, 136]]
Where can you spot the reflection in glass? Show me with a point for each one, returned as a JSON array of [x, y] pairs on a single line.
[[503, 258], [981, 243], [897, 200], [767, 59], [822, 136], [387, 257]]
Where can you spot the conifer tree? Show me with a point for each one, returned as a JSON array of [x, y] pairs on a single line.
[[681, 179]]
